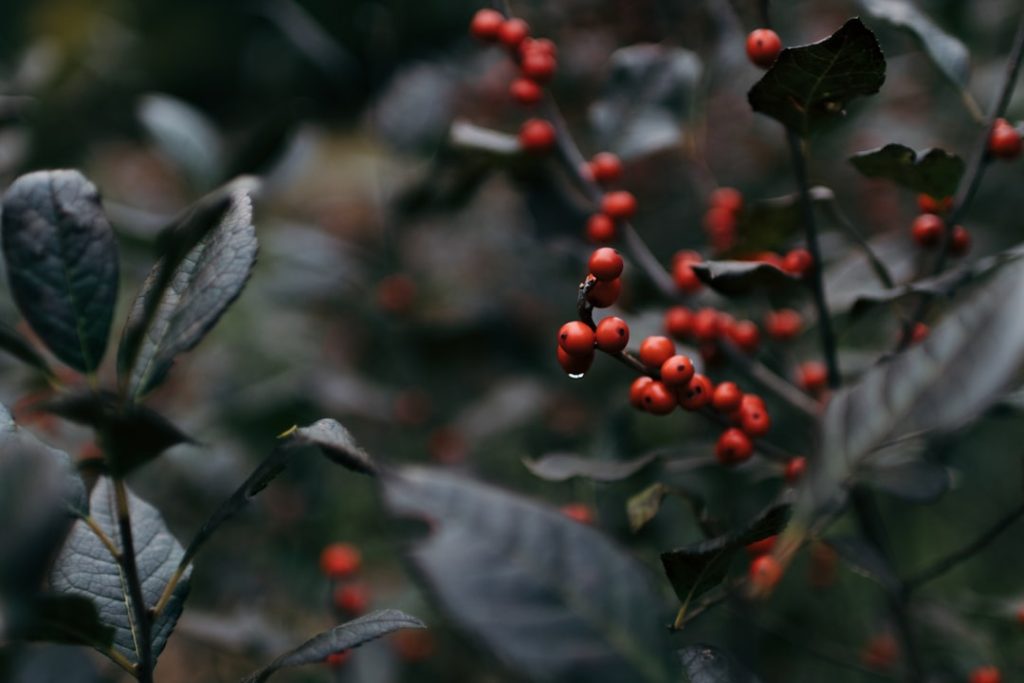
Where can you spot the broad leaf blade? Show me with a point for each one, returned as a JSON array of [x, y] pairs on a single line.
[[735, 278], [769, 223], [809, 86], [344, 637], [571, 605], [62, 263], [934, 172], [565, 466], [14, 344], [86, 568], [336, 443], [185, 136]]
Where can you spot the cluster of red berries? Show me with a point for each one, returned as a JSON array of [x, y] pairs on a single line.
[[763, 47], [340, 563], [927, 230], [725, 206], [707, 326], [1004, 141]]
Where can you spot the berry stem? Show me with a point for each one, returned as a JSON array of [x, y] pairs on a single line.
[[828, 339]]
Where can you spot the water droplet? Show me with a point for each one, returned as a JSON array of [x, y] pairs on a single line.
[[576, 375]]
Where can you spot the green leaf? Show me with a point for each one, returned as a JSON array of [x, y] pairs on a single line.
[[948, 53], [344, 637], [810, 86], [14, 344], [647, 100], [565, 466], [208, 256], [934, 172], [708, 664], [735, 278], [68, 619], [336, 443], [86, 568], [554, 599], [185, 136], [642, 507], [62, 263]]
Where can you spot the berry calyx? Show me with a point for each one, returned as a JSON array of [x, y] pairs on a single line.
[[604, 293], [784, 324], [605, 264], [678, 322], [927, 229], [605, 167], [765, 573], [352, 598], [513, 32], [745, 335], [525, 91], [1004, 141], [579, 512], [763, 47], [612, 335], [795, 469], [812, 376], [637, 389], [762, 547], [959, 241], [659, 399], [726, 397], [574, 365], [697, 393], [677, 371], [340, 560], [728, 198], [620, 205], [485, 24], [798, 262], [537, 136], [600, 229], [576, 338], [654, 351], [986, 674], [733, 447]]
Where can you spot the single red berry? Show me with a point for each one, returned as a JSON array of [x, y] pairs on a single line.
[[745, 335], [723, 240], [1004, 141], [678, 320], [685, 277], [600, 229], [733, 447], [573, 364], [929, 204], [413, 645], [986, 674], [620, 205], [754, 418], [697, 393], [919, 333], [485, 24], [513, 32], [537, 136], [637, 389], [612, 335], [579, 512], [605, 167], [340, 560], [542, 45], [677, 371], [605, 263], [927, 229], [718, 220], [659, 399], [726, 397], [763, 47], [706, 325], [728, 198], [798, 262], [525, 91], [1020, 615], [576, 338], [880, 652], [784, 324], [812, 376], [959, 241], [336, 659], [762, 547], [656, 350], [765, 573], [352, 598], [795, 469], [603, 294], [538, 66]]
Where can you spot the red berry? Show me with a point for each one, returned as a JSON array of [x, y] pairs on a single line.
[[637, 389], [722, 240], [340, 560], [733, 447], [697, 393], [573, 364], [795, 469], [605, 263], [612, 335], [576, 338], [336, 659], [986, 674], [485, 24], [927, 229], [525, 91], [880, 652], [959, 241], [919, 333], [538, 66], [579, 512], [754, 418], [513, 32], [929, 204], [603, 294], [413, 645], [812, 376], [677, 371], [726, 397], [656, 350], [620, 205], [537, 136], [659, 399], [783, 325], [762, 547], [684, 276], [678, 320], [718, 220], [728, 198], [1004, 141], [542, 45], [605, 167], [745, 335], [765, 572], [706, 325], [798, 262], [352, 598], [763, 47], [600, 229]]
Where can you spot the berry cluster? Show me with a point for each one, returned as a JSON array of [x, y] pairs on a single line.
[[340, 563], [928, 227]]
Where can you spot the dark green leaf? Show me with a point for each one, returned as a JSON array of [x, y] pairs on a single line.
[[14, 344], [648, 98], [810, 86], [130, 434], [865, 560], [336, 443], [344, 637], [86, 568], [185, 136], [708, 664], [770, 223], [643, 507], [67, 619], [948, 53], [564, 466], [570, 604], [208, 256], [62, 263], [734, 278], [934, 172]]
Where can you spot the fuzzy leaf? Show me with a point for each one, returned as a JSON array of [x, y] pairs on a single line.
[[934, 172], [564, 466]]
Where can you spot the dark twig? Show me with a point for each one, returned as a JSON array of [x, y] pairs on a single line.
[[142, 630]]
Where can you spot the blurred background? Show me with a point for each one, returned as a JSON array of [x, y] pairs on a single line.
[[411, 289]]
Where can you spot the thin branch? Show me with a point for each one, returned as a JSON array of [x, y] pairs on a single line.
[[143, 639], [879, 268], [761, 374]]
